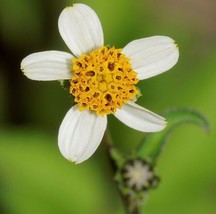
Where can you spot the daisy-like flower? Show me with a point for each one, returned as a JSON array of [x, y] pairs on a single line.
[[102, 79]]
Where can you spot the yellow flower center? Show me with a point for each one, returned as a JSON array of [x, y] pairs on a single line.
[[103, 80]]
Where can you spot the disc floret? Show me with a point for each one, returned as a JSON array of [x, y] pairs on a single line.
[[103, 80]]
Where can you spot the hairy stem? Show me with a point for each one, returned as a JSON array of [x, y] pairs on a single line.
[[131, 207]]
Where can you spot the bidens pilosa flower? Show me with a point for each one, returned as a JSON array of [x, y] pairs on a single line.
[[102, 79]]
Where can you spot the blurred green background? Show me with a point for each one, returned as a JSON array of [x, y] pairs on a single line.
[[35, 178]]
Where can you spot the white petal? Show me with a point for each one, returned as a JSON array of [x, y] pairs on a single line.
[[152, 56], [140, 118], [80, 134], [81, 29], [47, 65]]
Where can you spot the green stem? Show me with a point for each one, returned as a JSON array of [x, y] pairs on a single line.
[[130, 206]]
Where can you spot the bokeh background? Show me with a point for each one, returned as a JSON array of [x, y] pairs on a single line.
[[35, 178]]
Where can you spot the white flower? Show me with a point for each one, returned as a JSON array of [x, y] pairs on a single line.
[[102, 79], [139, 175]]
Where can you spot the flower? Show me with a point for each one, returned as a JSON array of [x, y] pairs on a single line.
[[138, 174], [102, 80]]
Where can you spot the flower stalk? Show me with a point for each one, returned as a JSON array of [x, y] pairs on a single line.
[[133, 176], [116, 160]]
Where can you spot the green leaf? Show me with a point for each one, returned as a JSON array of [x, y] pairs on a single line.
[[152, 144]]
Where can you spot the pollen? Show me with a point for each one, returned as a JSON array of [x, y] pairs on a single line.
[[103, 80]]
